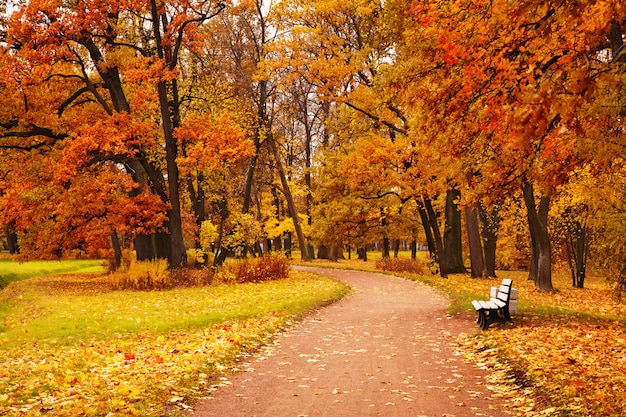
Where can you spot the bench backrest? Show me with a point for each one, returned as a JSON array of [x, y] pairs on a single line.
[[504, 292]]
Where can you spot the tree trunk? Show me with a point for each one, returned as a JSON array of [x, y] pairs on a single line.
[[336, 252], [477, 258], [177, 250], [291, 206], [541, 258], [413, 249], [490, 224], [430, 241], [386, 246], [12, 243], [576, 246], [434, 224], [452, 237], [323, 252], [117, 250]]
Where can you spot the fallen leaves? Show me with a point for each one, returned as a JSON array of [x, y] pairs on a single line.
[[126, 375], [140, 373], [564, 355]]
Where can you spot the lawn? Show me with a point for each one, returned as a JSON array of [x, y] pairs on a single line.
[[69, 345], [13, 271], [565, 353]]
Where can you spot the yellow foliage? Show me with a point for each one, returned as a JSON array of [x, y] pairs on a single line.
[[144, 275]]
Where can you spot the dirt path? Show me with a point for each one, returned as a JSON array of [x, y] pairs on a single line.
[[386, 350]]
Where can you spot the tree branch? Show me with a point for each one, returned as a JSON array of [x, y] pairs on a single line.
[[378, 119]]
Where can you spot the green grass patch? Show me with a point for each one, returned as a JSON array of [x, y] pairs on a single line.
[[73, 346], [14, 271]]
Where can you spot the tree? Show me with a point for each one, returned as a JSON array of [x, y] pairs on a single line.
[[512, 76], [116, 65]]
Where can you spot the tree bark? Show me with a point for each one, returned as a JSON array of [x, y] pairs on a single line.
[[452, 237], [430, 241], [117, 250], [490, 223], [576, 246], [291, 206], [541, 258], [434, 224], [477, 258], [12, 243]]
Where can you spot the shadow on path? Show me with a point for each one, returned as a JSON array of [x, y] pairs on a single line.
[[386, 350]]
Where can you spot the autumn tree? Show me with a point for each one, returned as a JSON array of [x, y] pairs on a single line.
[[518, 72], [114, 69]]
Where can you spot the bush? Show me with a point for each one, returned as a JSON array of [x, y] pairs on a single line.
[[192, 277], [403, 265], [265, 268], [143, 275]]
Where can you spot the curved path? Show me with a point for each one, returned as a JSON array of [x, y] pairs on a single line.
[[386, 350]]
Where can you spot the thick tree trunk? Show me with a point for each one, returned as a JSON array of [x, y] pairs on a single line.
[[291, 206], [490, 224], [477, 258], [541, 259], [452, 237]]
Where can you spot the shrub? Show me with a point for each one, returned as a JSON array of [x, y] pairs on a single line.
[[265, 268], [143, 275], [192, 277], [403, 265]]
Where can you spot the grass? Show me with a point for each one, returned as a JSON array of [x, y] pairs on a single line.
[[72, 346], [13, 271]]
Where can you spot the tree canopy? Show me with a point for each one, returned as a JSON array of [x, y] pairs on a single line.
[[129, 125]]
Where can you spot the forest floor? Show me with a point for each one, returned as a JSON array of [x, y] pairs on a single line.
[[388, 349]]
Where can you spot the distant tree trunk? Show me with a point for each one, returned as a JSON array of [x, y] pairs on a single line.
[[198, 200], [434, 225], [452, 237], [12, 243], [477, 258], [362, 254], [490, 224], [117, 250], [413, 249], [323, 252], [288, 245], [541, 258], [396, 247], [290, 202], [386, 245], [261, 118], [430, 241], [336, 253], [576, 247]]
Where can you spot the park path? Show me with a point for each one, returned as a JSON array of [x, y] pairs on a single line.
[[388, 349]]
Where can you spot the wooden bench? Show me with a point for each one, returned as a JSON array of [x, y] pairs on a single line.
[[496, 310]]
